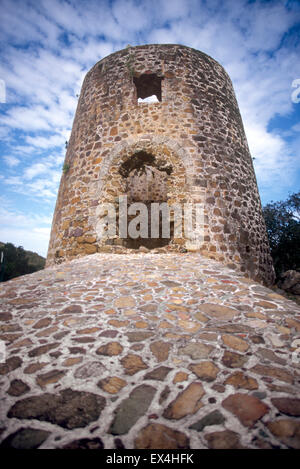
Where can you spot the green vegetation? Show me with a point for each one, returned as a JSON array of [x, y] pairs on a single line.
[[18, 261], [283, 226], [130, 63], [66, 168]]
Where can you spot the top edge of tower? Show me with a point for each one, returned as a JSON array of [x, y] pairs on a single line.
[[129, 48]]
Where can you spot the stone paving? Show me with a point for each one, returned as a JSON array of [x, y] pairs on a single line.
[[147, 351]]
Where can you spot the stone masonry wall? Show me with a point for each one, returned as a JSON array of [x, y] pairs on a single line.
[[192, 141]]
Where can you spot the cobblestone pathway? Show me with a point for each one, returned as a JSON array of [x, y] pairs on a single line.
[[147, 351]]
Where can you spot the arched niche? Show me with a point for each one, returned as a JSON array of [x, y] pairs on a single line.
[[146, 172]]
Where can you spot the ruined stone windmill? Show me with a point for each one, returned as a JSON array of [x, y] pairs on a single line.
[[185, 146]]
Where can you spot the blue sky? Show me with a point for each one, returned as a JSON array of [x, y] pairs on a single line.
[[47, 47]]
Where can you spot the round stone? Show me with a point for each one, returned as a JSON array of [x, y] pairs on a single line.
[[158, 436]]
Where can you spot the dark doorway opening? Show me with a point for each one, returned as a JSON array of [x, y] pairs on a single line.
[[147, 182]]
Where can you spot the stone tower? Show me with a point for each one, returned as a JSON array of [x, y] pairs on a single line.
[[186, 146]]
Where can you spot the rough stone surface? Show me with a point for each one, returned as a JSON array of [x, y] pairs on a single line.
[[219, 311], [274, 372], [110, 349], [158, 373], [248, 409], [133, 363], [287, 431], [188, 402], [223, 440], [130, 410], [235, 342], [36, 352], [25, 438], [234, 360], [11, 364], [271, 356], [70, 409], [138, 336], [196, 351], [124, 302], [207, 371], [240, 380], [51, 377], [180, 376], [91, 369], [214, 418], [85, 443], [18, 387], [112, 384], [157, 436], [287, 405], [42, 323], [290, 281], [160, 350]]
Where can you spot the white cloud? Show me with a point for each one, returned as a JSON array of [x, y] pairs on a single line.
[[17, 219], [80, 20], [275, 162], [37, 118], [46, 142], [30, 231], [13, 25], [11, 161], [25, 150], [38, 181], [296, 127], [89, 52], [175, 9], [267, 24], [30, 239], [13, 181], [265, 147], [25, 119], [35, 170], [64, 14], [25, 229], [130, 15]]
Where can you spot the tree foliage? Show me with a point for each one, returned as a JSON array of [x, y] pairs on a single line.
[[18, 262], [283, 226]]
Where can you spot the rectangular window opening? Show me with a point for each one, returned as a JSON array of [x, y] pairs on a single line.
[[148, 87]]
